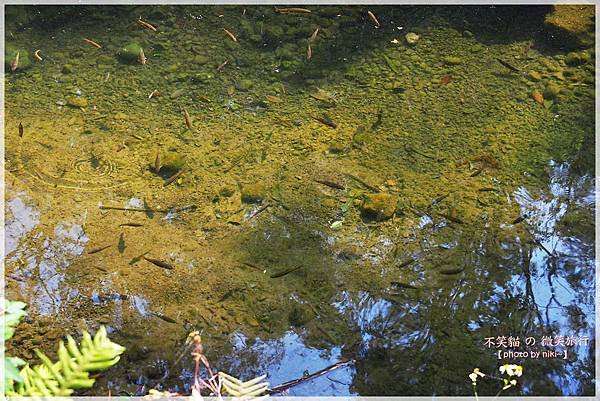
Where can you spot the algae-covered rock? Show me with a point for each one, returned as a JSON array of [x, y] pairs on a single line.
[[172, 161], [273, 33], [130, 53], [551, 91], [379, 206], [571, 26], [244, 84], [253, 193], [67, 69], [300, 315], [10, 54], [578, 58], [534, 75], [200, 59], [452, 60], [76, 101]]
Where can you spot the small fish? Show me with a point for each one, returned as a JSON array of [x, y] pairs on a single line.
[[92, 43], [445, 80], [510, 67], [131, 225], [273, 99], [452, 217], [121, 245], [451, 271], [96, 250], [15, 63], [331, 184], [285, 272], [147, 25], [407, 262], [404, 285], [373, 18], [231, 35], [138, 258], [308, 52], [142, 57], [173, 177], [519, 219], [476, 172], [36, 55], [314, 35], [163, 317], [188, 120], [157, 164], [154, 93], [223, 64], [440, 198], [326, 120], [21, 130], [292, 10], [158, 263]]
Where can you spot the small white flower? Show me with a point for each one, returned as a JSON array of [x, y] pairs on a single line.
[[395, 41], [473, 377], [511, 370]]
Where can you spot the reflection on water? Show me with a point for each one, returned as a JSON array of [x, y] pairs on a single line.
[[390, 202]]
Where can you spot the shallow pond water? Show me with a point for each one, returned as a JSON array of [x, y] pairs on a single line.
[[312, 188]]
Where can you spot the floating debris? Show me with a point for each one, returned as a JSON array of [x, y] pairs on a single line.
[[336, 225], [308, 52], [374, 19], [292, 10], [158, 263], [231, 35], [92, 43], [314, 35], [36, 55], [411, 38], [15, 64], [99, 249], [147, 25]]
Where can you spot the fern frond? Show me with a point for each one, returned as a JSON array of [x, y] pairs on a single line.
[[72, 369]]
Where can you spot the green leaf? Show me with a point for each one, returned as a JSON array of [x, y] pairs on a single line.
[[71, 370]]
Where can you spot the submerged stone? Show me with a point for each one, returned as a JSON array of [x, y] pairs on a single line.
[[129, 53], [253, 193], [379, 206], [452, 60], [76, 101]]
